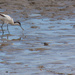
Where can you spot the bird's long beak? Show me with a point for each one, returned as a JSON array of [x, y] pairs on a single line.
[[21, 27]]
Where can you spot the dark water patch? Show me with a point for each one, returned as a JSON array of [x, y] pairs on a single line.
[[57, 62], [73, 26], [34, 27], [41, 67], [65, 29], [41, 49], [16, 39], [19, 63], [51, 26], [68, 35], [4, 62], [5, 44]]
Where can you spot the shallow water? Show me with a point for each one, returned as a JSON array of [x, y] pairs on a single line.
[[24, 52]]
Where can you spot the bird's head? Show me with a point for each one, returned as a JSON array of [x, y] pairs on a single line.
[[18, 23]]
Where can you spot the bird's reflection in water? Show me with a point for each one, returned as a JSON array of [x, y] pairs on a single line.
[[9, 37], [4, 37], [3, 40]]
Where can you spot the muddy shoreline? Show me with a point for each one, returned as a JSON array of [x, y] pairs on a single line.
[[48, 8]]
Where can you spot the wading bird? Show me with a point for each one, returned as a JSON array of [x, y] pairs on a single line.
[[6, 19]]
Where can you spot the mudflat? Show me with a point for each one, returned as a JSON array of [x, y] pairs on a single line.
[[47, 44]]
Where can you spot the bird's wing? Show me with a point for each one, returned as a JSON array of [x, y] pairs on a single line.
[[2, 15], [6, 18]]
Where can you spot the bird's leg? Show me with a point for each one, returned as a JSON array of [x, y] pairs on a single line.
[[7, 26], [8, 29], [2, 28], [2, 25]]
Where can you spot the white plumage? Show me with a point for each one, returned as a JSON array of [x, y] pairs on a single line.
[[6, 19]]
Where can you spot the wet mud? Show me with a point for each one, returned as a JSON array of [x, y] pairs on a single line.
[[46, 46]]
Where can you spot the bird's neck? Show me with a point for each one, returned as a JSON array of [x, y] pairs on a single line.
[[16, 24]]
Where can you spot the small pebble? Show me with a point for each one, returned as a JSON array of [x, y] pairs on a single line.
[[34, 26], [45, 44], [6, 71]]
